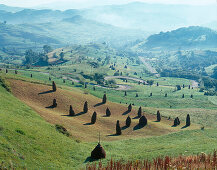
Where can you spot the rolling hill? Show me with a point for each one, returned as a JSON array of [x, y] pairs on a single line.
[[182, 38]]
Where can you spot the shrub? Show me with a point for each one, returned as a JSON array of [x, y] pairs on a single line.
[[128, 121], [71, 111], [188, 120], [62, 130], [118, 128], [166, 95], [104, 99], [54, 86], [192, 96], [183, 96], [139, 112], [85, 109], [158, 116], [137, 95], [143, 121], [150, 94], [108, 113], [93, 118], [20, 132]]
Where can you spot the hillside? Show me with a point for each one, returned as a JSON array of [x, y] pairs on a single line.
[[182, 38]]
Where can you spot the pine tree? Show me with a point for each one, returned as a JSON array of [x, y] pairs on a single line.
[[108, 113], [31, 75], [139, 112], [64, 81], [125, 93], [93, 118], [118, 128], [54, 103], [150, 94], [73, 83], [158, 116], [129, 108], [85, 85], [143, 121], [85, 110], [71, 111], [176, 121], [128, 121], [49, 79], [183, 86], [6, 70], [54, 86], [189, 87], [104, 99], [188, 120], [157, 84], [166, 95], [183, 96]]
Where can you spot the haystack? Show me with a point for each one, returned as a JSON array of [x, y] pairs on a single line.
[[98, 152]]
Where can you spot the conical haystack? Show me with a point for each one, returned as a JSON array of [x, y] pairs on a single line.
[[98, 152]]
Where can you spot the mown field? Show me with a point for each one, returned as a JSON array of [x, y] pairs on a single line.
[[28, 140]]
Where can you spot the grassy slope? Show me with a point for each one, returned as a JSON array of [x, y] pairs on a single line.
[[43, 147]]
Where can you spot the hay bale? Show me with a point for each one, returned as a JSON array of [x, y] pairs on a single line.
[[98, 152]]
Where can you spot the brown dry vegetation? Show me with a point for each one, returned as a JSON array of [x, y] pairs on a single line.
[[199, 162], [79, 125]]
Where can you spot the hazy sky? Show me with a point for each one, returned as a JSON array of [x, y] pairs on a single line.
[[90, 3]]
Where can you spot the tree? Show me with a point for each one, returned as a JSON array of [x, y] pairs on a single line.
[[188, 120], [139, 112], [64, 81], [54, 86], [6, 71], [85, 85], [94, 88], [71, 111], [137, 95], [158, 116], [157, 84], [54, 103], [192, 96], [15, 72], [62, 56], [104, 99], [150, 94], [189, 87], [125, 93], [143, 121], [128, 121], [183, 86], [166, 95], [183, 96], [47, 49], [118, 128], [93, 118], [85, 109], [31, 75], [108, 113], [178, 87], [129, 107]]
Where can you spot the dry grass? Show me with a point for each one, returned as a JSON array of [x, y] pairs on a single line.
[[199, 162], [78, 126]]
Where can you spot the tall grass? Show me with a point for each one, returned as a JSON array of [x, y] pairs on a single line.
[[201, 161]]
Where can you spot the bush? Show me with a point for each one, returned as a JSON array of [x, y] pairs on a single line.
[[176, 122], [20, 132], [62, 130], [118, 128], [178, 87], [93, 118]]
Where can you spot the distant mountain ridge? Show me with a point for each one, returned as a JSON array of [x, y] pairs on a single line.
[[186, 37]]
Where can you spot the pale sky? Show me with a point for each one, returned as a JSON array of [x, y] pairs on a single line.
[[90, 3]]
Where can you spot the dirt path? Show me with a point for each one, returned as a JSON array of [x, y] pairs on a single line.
[[124, 77], [149, 67]]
